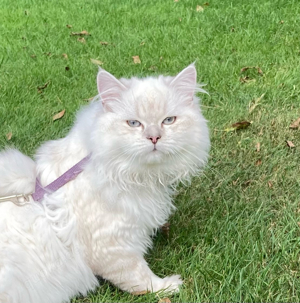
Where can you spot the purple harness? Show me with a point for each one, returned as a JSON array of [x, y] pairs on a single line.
[[69, 175]]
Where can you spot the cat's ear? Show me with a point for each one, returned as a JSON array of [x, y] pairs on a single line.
[[185, 83], [110, 88]]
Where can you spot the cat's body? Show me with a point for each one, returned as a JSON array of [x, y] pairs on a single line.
[[101, 222]]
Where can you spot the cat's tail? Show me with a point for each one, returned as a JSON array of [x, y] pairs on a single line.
[[17, 173]]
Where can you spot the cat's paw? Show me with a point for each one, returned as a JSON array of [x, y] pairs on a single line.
[[169, 284]]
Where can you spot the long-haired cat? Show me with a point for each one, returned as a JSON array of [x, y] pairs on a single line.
[[143, 137]]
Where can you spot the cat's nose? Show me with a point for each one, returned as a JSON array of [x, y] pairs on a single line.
[[154, 139]]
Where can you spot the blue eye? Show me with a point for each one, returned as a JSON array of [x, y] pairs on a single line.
[[169, 120], [134, 123]]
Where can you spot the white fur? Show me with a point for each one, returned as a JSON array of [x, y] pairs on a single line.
[[101, 223]]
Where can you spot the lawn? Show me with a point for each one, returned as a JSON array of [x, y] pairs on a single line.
[[235, 236]]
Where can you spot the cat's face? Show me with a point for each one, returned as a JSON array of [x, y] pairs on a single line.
[[153, 122]]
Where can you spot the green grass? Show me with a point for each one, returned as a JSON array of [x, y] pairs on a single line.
[[235, 236]]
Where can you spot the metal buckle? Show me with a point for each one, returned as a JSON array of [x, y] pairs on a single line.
[[19, 200]]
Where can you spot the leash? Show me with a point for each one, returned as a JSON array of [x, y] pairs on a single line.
[[40, 191]]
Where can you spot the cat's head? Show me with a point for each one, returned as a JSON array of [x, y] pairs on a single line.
[[151, 125]]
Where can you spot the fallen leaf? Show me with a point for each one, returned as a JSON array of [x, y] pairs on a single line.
[[40, 88], [138, 293], [270, 184], [82, 40], [97, 62], [259, 71], [235, 182], [240, 125], [33, 56], [176, 0], [8, 136], [295, 124], [252, 67], [142, 43], [152, 68], [136, 59], [199, 8], [65, 56], [165, 229], [281, 21], [164, 300], [298, 224], [82, 33], [206, 4], [257, 146], [246, 79], [48, 54], [160, 58], [290, 144], [247, 183], [232, 29], [69, 26], [67, 68], [255, 104], [59, 115], [258, 162], [103, 43]]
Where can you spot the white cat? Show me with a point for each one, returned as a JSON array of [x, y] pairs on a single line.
[[144, 136]]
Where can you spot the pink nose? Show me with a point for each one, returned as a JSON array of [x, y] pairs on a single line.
[[154, 139]]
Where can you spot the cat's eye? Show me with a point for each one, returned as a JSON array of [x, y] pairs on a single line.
[[169, 120], [134, 123]]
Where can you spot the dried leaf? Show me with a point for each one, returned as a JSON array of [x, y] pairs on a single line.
[[176, 0], [165, 229], [258, 162], [255, 104], [252, 67], [136, 59], [40, 88], [138, 293], [206, 4], [97, 62], [290, 144], [33, 56], [270, 184], [103, 43], [241, 125], [298, 224], [164, 300], [257, 146], [65, 56], [82, 33], [48, 54], [8, 136], [235, 182], [142, 43], [69, 26], [246, 79], [82, 40], [152, 68], [295, 124], [259, 71], [59, 115], [199, 8]]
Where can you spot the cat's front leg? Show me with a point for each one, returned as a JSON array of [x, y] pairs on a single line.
[[131, 273]]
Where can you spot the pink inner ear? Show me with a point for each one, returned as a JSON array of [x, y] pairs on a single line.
[[109, 87], [185, 82]]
